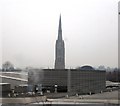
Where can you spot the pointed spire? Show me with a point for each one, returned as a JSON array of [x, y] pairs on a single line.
[[60, 29], [60, 23]]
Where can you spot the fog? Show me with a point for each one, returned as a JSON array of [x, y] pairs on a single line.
[[29, 28]]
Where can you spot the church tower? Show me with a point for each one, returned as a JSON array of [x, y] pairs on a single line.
[[60, 50]]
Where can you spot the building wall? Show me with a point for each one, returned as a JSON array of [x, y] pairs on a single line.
[[80, 81], [48, 77], [4, 89], [87, 81]]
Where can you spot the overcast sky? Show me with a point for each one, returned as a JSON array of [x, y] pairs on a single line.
[[29, 29]]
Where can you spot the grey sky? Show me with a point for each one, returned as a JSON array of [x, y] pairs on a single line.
[[29, 30]]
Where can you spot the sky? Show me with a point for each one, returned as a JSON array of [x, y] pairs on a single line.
[[29, 29]]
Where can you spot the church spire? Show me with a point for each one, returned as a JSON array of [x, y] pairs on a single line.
[[60, 29], [60, 49]]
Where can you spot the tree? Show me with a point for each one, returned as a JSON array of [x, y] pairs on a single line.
[[101, 67], [7, 66]]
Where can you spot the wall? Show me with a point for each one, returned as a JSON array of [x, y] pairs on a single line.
[[80, 81]]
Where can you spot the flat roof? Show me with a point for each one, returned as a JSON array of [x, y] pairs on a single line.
[[42, 70], [4, 83], [13, 78]]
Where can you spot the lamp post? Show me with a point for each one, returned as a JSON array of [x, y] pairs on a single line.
[[56, 88]]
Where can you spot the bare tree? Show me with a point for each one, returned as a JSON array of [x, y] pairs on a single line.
[[7, 66]]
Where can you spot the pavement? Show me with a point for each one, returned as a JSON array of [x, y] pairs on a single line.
[[23, 100], [79, 101], [105, 95]]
